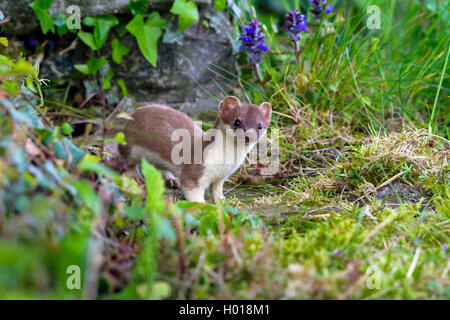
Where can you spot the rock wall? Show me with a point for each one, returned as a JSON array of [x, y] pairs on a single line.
[[183, 76], [24, 21]]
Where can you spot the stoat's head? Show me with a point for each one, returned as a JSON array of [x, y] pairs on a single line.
[[244, 119]]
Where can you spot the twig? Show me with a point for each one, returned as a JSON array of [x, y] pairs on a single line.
[[69, 154], [445, 272], [413, 264], [377, 230], [234, 251], [320, 209], [87, 99], [116, 109], [181, 260], [72, 46], [222, 229], [349, 140], [194, 275], [103, 103], [380, 253], [382, 185]]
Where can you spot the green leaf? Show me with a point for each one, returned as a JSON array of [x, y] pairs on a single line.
[[135, 212], [119, 138], [67, 129], [147, 34], [40, 8], [95, 64], [137, 6], [163, 227], [83, 68], [187, 13], [121, 28], [209, 223], [61, 153], [43, 4], [220, 5], [6, 60], [4, 41], [88, 39], [124, 115], [154, 184], [118, 51], [123, 87], [60, 22], [22, 68], [101, 26], [107, 79], [62, 30], [89, 196], [92, 67], [11, 86], [92, 163], [160, 290]]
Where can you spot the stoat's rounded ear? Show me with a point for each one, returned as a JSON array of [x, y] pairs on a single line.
[[266, 108], [229, 103]]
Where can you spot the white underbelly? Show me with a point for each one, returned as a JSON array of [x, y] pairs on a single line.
[[222, 162]]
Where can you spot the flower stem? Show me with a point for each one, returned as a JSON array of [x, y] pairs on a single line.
[[260, 78], [297, 55]]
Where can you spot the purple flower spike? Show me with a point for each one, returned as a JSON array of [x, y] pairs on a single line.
[[29, 43], [295, 24], [329, 9], [444, 247], [253, 41], [318, 6]]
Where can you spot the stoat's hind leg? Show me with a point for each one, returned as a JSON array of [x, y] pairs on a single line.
[[217, 191], [172, 182]]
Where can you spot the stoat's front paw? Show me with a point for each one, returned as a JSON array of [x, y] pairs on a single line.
[[172, 182], [218, 196]]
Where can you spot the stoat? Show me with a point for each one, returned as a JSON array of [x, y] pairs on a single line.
[[208, 158]]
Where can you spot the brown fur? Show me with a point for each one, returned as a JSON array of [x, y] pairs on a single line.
[[250, 115], [152, 127]]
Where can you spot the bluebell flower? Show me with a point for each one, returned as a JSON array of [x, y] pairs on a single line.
[[318, 6], [29, 43], [444, 247], [253, 41], [329, 9], [295, 24]]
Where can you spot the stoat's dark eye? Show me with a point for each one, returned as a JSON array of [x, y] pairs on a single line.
[[259, 126], [237, 123]]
